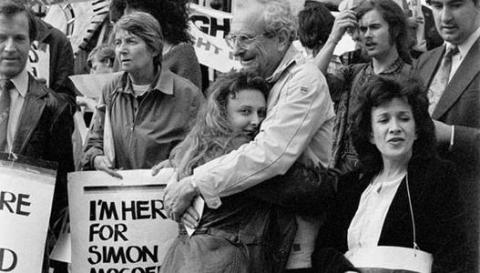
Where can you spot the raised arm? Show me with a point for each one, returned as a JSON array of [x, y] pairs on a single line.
[[345, 19]]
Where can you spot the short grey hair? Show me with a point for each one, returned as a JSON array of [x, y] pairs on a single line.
[[278, 16], [145, 26]]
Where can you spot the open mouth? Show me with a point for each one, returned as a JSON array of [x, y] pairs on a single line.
[[396, 140]]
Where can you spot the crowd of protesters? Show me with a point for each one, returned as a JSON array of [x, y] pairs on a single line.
[[304, 162]]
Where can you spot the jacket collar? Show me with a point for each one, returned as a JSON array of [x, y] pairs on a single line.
[[393, 68], [44, 29], [291, 57], [415, 172], [459, 82], [20, 82], [417, 178], [464, 47], [163, 82]]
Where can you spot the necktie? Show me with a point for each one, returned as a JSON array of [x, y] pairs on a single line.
[[5, 86], [440, 81]]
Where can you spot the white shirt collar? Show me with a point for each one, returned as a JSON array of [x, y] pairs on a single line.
[[464, 47], [21, 82]]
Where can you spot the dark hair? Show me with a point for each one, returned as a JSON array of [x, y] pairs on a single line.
[[10, 8], [475, 2], [116, 9], [315, 23], [393, 14], [102, 53], [171, 15], [144, 26], [380, 90], [213, 135]]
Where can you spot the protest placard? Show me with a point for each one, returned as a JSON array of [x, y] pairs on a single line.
[[91, 85], [26, 193], [212, 52], [119, 225], [62, 251], [39, 61], [208, 28]]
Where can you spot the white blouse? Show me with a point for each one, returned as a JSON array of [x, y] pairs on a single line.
[[367, 224]]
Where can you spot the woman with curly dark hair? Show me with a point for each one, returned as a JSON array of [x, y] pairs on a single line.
[[178, 52], [403, 195]]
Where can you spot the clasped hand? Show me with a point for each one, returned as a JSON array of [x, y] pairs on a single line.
[[178, 198]]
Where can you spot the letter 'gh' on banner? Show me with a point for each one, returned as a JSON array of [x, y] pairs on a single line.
[[208, 28], [119, 225], [26, 194]]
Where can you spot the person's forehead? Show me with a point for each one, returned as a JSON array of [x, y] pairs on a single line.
[[17, 22], [372, 16], [248, 21], [122, 33]]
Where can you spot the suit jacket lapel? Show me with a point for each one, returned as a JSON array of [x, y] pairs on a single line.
[[463, 76], [31, 113], [430, 68]]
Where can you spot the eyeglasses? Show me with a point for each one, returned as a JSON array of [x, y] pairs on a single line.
[[243, 40]]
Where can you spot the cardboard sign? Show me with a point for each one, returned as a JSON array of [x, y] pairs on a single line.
[[62, 251], [91, 85], [39, 61], [26, 194], [119, 225]]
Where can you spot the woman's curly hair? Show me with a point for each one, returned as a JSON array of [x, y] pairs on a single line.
[[212, 134], [380, 90]]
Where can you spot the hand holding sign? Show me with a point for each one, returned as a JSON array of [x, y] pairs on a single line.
[[102, 164]]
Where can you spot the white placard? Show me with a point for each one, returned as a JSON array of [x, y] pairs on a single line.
[[26, 194], [91, 85], [119, 225], [39, 61]]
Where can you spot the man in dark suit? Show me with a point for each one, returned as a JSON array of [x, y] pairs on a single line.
[[34, 120], [451, 74]]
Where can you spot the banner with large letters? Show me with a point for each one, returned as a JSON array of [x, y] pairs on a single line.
[[26, 194], [208, 28], [119, 225]]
